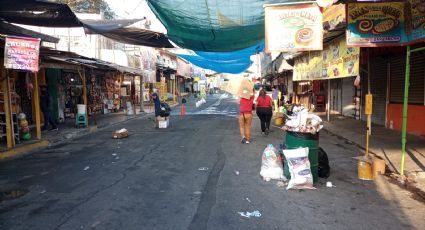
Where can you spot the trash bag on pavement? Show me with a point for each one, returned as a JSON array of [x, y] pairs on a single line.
[[164, 110], [324, 170], [299, 168], [271, 164]]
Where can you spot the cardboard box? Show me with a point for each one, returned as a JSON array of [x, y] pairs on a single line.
[[163, 124], [120, 134], [240, 87]]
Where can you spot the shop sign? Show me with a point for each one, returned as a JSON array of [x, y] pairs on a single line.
[[335, 61], [373, 24], [334, 16], [293, 28], [22, 53], [417, 19]]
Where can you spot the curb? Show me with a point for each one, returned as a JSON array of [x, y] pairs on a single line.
[[393, 177]]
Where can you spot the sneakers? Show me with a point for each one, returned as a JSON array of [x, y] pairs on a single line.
[[267, 132], [54, 129], [243, 141], [247, 142]]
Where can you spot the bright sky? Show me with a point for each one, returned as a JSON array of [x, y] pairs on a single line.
[[130, 9]]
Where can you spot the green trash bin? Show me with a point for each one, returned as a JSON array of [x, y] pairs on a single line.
[[294, 140]]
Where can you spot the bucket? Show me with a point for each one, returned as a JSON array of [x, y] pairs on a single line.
[[278, 121], [129, 108], [364, 168], [296, 140], [378, 166], [81, 109]]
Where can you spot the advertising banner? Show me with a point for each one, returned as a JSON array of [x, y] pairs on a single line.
[[21, 53], [334, 16], [335, 61], [293, 28], [372, 24], [417, 9]]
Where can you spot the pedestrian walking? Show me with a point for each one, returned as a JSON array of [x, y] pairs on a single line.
[[264, 111], [47, 108], [157, 106], [275, 96], [245, 118]]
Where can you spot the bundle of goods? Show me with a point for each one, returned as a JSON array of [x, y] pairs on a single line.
[[303, 121], [122, 133], [165, 110], [271, 164], [299, 168]]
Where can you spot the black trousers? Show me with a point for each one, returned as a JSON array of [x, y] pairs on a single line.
[[265, 114]]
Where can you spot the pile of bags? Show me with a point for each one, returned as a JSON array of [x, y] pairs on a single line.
[[165, 110], [303, 121]]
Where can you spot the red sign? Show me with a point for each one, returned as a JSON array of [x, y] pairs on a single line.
[[22, 53]]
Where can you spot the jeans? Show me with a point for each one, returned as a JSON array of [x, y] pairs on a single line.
[[48, 119], [245, 125], [265, 114]]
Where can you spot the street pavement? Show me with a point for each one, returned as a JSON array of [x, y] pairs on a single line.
[[184, 177]]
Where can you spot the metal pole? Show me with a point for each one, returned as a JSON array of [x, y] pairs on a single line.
[[142, 94], [405, 104], [328, 104], [37, 107], [7, 109]]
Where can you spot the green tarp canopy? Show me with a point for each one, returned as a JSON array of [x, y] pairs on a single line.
[[213, 25]]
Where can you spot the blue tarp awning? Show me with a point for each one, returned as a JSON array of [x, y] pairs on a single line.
[[225, 62]]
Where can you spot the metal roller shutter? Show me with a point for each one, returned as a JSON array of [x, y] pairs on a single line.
[[378, 87], [417, 78]]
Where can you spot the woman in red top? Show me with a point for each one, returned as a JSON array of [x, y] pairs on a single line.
[[264, 111], [245, 118]]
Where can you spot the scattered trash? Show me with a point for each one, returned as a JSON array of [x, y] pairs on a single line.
[[281, 184], [247, 199], [203, 168], [42, 192], [299, 167], [197, 193], [114, 154], [181, 146], [122, 133], [255, 213], [271, 164], [117, 158], [303, 121], [95, 224], [237, 173], [86, 168], [329, 184]]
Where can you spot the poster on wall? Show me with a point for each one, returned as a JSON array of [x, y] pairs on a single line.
[[372, 24], [335, 61], [21, 53], [293, 28]]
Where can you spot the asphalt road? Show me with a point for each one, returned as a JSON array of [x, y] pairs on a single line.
[[152, 180]]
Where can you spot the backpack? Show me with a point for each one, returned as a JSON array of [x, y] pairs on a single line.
[[324, 168]]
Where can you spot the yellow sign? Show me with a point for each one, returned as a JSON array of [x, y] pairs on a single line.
[[334, 16], [368, 106], [335, 61]]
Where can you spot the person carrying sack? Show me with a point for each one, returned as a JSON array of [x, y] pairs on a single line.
[[264, 111], [245, 118]]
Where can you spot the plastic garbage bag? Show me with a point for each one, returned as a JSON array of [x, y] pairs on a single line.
[[299, 168], [164, 110], [271, 164]]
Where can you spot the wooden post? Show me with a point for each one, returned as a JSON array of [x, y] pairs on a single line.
[[7, 109], [37, 107]]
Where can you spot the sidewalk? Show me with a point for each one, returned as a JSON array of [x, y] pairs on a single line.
[[386, 144], [68, 131]]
